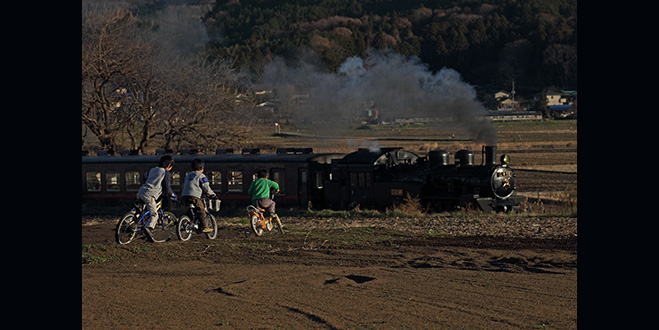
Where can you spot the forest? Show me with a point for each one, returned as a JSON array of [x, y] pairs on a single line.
[[490, 43]]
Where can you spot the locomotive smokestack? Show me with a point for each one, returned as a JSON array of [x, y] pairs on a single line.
[[490, 154]]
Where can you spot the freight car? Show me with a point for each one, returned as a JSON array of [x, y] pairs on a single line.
[[370, 178]]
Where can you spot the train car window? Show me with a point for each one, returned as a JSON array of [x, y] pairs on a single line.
[[277, 175], [133, 181], [235, 181], [93, 181], [361, 179], [112, 182], [215, 180]]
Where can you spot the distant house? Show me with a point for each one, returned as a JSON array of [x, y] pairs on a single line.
[[555, 98], [505, 101], [506, 104], [563, 104]]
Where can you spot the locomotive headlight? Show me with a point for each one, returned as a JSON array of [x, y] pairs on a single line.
[[505, 159]]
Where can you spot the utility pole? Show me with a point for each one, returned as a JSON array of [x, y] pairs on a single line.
[[512, 97]]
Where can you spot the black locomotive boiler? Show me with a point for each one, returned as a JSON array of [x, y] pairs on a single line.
[[380, 178], [370, 178]]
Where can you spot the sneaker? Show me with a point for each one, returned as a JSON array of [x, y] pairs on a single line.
[[207, 230]]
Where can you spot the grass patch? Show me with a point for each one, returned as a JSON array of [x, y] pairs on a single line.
[[354, 237], [558, 204], [355, 213], [409, 208], [90, 257]]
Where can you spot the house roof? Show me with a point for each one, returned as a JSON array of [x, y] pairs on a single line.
[[560, 107]]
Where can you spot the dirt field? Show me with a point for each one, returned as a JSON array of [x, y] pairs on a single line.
[[471, 272], [338, 274]]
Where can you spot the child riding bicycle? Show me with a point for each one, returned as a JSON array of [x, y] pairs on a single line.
[[260, 191], [151, 190], [194, 185]]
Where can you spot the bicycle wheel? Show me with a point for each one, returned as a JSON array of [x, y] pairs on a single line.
[[126, 228], [254, 224], [212, 223], [164, 227], [280, 227], [184, 228]]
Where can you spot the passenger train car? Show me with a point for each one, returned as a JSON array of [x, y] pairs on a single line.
[[298, 171]]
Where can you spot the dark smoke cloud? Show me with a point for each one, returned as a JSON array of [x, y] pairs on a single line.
[[398, 87]]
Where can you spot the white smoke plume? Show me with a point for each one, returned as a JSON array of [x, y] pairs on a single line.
[[398, 87]]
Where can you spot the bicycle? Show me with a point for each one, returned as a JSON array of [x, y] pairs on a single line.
[[259, 224], [189, 222], [134, 220]]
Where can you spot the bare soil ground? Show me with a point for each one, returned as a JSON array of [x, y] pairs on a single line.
[[430, 273]]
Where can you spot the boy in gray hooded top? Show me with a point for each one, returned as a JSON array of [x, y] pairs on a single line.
[[152, 188], [194, 185]]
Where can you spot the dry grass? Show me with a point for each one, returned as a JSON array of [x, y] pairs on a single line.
[[551, 203], [410, 208]]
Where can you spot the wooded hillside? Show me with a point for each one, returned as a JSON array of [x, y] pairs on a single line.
[[490, 43]]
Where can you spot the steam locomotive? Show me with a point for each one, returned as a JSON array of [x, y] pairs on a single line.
[[370, 178], [377, 179]]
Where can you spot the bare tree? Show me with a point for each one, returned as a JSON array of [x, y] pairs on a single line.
[[117, 78], [138, 90], [104, 66]]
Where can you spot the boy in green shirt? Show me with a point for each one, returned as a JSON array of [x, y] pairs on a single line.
[[260, 190]]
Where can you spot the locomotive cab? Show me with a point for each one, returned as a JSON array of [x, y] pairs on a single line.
[[372, 178]]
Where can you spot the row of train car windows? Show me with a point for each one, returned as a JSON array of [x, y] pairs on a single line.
[[133, 180]]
